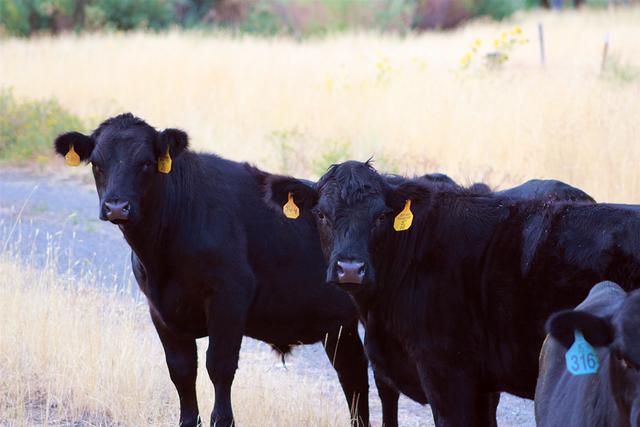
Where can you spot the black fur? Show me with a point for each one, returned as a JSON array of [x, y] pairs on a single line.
[[480, 188], [562, 325], [82, 144], [455, 307], [280, 187], [439, 177], [214, 261], [176, 139], [549, 189]]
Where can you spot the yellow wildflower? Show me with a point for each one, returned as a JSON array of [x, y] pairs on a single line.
[[329, 84], [465, 60]]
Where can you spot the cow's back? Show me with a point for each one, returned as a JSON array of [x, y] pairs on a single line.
[[566, 249], [549, 189]]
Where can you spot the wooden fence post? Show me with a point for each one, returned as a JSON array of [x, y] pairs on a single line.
[[541, 37]]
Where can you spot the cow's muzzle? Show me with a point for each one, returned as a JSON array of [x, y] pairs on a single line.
[[350, 272], [116, 211]]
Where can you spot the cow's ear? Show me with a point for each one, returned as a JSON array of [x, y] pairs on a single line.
[[597, 331], [281, 190], [414, 190], [70, 144], [175, 140]]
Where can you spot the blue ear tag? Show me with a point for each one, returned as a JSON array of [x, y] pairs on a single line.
[[581, 358]]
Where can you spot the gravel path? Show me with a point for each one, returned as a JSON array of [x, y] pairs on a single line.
[[50, 216]]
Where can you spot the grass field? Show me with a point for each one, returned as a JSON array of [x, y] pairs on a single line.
[[73, 354], [294, 106]]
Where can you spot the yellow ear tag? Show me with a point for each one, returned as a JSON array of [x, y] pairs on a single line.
[[404, 219], [72, 158], [164, 162], [290, 208]]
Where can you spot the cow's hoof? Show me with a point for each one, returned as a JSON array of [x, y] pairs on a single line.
[[191, 422], [222, 422]]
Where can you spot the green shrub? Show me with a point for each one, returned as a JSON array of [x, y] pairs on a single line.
[[333, 151], [499, 9], [264, 20], [285, 143], [14, 18], [388, 162], [620, 71], [392, 15], [267, 17], [598, 4], [193, 12], [131, 14], [28, 128], [25, 17]]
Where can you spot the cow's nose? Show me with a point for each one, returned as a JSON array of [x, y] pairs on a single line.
[[117, 211], [350, 272]]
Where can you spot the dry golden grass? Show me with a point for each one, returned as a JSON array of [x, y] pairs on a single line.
[[285, 104], [72, 354]]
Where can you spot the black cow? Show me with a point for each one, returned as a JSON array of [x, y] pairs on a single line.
[[546, 189], [455, 305], [214, 261], [439, 177], [609, 319], [435, 177], [539, 189]]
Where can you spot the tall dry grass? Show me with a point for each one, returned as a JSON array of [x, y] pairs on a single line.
[[74, 354], [282, 103]]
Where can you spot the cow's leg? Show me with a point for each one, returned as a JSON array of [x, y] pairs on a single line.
[[346, 354], [389, 398], [388, 394], [182, 360], [455, 398], [226, 315], [491, 407]]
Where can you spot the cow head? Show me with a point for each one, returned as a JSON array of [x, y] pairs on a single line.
[[353, 207], [620, 335], [130, 162]]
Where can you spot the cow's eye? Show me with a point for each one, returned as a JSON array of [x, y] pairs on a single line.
[[626, 363], [321, 217], [381, 219]]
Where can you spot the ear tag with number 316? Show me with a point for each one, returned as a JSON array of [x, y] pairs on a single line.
[[581, 358]]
